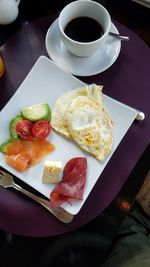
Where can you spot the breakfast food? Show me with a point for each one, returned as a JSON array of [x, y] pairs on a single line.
[[27, 143], [22, 154], [37, 112], [80, 115], [59, 120], [72, 184], [91, 129], [52, 172], [12, 125]]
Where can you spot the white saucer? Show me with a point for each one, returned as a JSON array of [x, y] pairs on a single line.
[[78, 66]]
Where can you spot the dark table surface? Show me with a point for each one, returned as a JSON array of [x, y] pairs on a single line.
[[108, 222]]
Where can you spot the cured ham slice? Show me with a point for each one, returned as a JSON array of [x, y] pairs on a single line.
[[72, 184]]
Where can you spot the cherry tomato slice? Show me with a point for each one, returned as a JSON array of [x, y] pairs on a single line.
[[41, 129], [24, 129]]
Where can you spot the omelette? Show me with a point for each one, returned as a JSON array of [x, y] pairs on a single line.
[[80, 115]]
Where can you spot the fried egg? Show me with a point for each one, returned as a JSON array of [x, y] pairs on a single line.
[[80, 115], [58, 121], [90, 126]]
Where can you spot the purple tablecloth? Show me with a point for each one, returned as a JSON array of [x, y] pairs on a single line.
[[127, 80]]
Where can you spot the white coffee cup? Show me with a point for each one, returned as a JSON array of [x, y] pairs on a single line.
[[84, 8]]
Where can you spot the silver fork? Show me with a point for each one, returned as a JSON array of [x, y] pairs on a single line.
[[6, 180]]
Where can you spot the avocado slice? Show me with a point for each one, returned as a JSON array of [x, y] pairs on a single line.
[[37, 112], [48, 117], [3, 146], [12, 125]]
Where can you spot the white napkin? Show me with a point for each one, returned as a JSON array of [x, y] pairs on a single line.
[[143, 2]]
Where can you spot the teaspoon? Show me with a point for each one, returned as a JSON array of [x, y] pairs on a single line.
[[118, 36]]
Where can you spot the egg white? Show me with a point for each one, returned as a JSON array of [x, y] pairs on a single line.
[[90, 127], [80, 115], [59, 112]]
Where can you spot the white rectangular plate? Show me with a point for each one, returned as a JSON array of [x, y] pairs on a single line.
[[46, 83]]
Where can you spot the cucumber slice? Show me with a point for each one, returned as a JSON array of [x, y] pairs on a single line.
[[37, 112], [3, 146], [12, 126]]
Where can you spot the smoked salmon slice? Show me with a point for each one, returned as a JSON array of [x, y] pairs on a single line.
[[21, 161], [22, 154]]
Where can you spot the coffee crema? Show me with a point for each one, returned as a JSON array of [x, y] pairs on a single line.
[[83, 29]]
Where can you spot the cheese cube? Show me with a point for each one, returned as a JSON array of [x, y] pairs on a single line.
[[52, 172]]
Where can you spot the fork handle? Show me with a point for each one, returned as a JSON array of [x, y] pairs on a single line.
[[58, 212]]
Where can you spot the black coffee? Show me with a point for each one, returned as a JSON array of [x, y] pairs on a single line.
[[84, 29]]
